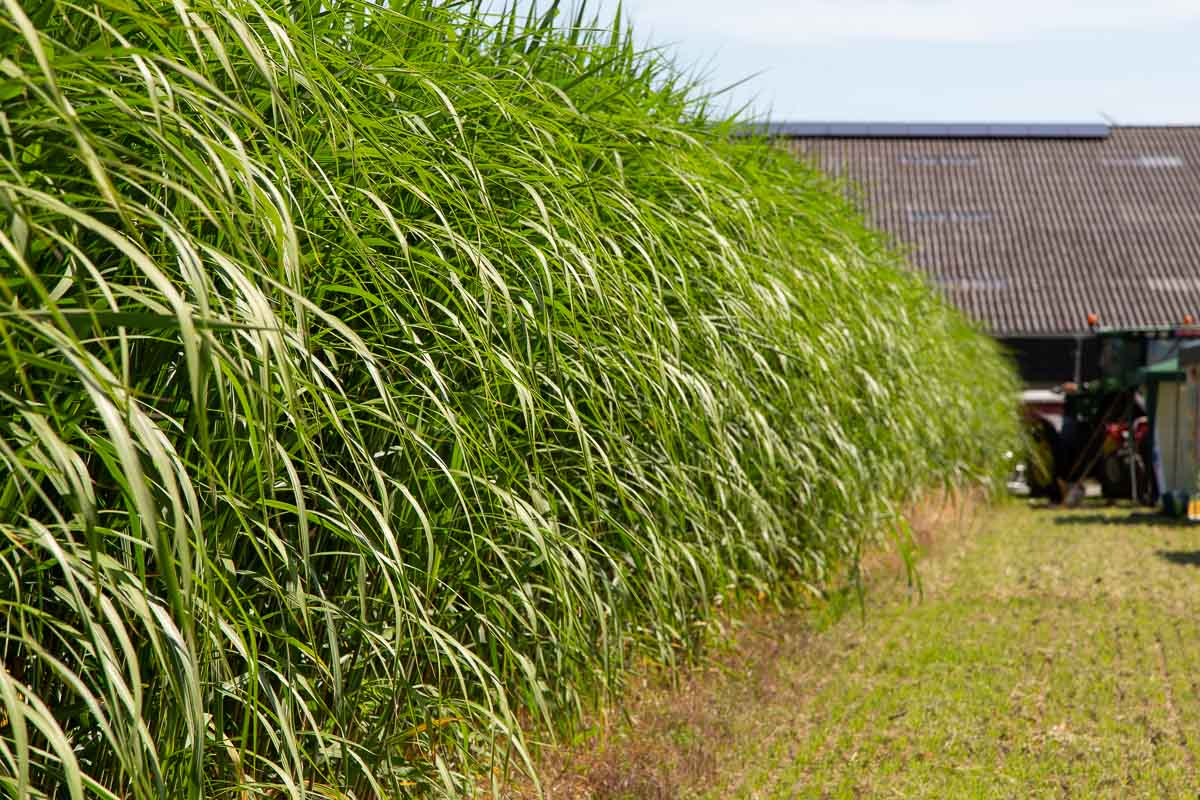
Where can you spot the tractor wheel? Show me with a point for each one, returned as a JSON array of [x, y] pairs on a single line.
[[1115, 483], [1040, 467], [1114, 477]]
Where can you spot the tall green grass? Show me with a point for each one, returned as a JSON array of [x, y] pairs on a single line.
[[376, 380]]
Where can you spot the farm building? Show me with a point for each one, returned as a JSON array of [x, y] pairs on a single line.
[[1030, 228]]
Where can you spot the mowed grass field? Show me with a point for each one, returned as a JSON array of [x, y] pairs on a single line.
[[1053, 654]]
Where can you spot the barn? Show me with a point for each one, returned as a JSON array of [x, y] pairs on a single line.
[[1030, 228]]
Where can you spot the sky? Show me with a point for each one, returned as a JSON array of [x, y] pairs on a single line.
[[937, 60]]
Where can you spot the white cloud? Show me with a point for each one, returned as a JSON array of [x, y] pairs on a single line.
[[809, 21]]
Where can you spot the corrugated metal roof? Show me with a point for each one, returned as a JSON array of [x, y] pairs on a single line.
[[1029, 234]]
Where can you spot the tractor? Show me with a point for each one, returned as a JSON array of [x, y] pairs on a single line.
[[1100, 430]]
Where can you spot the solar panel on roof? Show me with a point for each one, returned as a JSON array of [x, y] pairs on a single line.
[[967, 130], [923, 130]]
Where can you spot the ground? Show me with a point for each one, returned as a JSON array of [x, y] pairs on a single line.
[[1050, 654]]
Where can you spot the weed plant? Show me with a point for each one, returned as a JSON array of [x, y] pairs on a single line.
[[374, 380]]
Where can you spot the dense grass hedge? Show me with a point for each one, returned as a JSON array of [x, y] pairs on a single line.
[[374, 379]]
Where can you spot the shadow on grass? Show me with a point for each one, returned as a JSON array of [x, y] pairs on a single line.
[[1184, 558], [1133, 518]]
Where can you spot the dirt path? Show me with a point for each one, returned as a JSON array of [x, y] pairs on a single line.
[[1054, 654]]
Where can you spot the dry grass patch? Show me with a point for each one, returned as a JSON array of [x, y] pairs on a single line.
[[676, 732]]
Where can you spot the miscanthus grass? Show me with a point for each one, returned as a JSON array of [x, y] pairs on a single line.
[[373, 379]]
